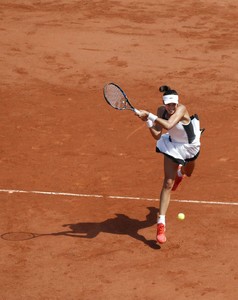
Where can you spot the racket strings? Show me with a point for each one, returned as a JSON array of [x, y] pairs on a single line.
[[115, 96]]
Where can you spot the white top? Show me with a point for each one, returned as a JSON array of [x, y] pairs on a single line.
[[186, 134]]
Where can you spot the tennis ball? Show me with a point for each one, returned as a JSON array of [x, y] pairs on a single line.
[[181, 216]]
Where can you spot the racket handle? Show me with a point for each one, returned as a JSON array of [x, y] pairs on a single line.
[[137, 111]]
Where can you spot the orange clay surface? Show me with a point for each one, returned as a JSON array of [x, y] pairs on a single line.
[[59, 135]]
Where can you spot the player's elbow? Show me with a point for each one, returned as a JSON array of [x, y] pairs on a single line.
[[168, 126]]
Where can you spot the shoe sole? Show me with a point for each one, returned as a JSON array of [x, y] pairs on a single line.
[[161, 242]]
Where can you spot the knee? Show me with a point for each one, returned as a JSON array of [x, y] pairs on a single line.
[[189, 173], [168, 184]]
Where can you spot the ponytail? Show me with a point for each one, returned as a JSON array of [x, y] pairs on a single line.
[[164, 88], [167, 90]]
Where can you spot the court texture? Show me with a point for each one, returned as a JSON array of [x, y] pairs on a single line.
[[80, 182]]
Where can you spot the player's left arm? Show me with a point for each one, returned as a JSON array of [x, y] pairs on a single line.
[[166, 124], [174, 119]]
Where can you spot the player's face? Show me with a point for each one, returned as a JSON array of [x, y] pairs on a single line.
[[171, 108]]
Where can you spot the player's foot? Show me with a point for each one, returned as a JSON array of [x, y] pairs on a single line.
[[160, 236], [178, 179]]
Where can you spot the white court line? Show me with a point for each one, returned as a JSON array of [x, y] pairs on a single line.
[[114, 197]]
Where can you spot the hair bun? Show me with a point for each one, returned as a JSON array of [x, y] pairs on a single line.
[[164, 88]]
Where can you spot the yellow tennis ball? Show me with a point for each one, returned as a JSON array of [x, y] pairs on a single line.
[[181, 216]]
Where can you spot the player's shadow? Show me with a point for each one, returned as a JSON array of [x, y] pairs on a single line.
[[121, 224]]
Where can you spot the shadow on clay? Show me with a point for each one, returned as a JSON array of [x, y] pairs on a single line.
[[121, 224]]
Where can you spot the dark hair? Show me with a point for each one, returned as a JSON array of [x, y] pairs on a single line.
[[167, 90]]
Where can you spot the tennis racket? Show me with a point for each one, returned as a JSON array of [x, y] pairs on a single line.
[[116, 97]]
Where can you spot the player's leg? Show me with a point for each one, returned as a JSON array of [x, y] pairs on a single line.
[[188, 168], [182, 171], [170, 169]]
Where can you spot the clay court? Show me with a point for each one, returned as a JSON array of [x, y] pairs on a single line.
[[80, 181]]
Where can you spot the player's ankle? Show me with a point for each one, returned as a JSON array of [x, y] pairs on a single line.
[[161, 219]]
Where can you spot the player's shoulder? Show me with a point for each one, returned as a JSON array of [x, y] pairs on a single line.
[[182, 108], [181, 105]]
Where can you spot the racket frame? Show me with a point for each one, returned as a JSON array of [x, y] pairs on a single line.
[[130, 107]]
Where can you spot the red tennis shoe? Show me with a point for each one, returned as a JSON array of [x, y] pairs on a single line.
[[160, 236], [177, 180]]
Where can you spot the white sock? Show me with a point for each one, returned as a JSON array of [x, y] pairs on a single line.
[[179, 173], [161, 219]]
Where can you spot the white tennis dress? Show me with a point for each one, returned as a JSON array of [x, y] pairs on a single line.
[[182, 142]]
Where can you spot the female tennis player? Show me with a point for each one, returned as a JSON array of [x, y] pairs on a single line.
[[180, 146]]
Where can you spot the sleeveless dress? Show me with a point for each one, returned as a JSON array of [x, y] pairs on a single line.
[[182, 142]]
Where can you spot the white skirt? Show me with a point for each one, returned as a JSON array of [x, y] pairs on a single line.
[[180, 153]]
